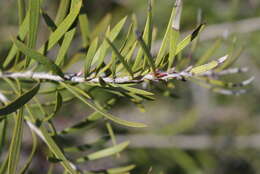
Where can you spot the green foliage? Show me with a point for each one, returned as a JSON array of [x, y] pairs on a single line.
[[105, 66]]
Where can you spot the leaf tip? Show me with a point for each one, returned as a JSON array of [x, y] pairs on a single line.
[[222, 59]]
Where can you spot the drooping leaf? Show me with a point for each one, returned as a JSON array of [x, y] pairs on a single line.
[[20, 101], [101, 111], [43, 133]]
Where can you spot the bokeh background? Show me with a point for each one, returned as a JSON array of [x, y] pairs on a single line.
[[193, 130]]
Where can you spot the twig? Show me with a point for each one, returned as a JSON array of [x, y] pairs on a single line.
[[76, 78]]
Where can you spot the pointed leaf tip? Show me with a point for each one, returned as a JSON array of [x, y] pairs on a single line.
[[222, 59]]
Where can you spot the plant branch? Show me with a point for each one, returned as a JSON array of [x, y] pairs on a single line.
[[154, 76], [160, 76], [73, 77]]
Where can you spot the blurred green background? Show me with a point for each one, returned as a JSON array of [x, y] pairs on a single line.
[[194, 130]]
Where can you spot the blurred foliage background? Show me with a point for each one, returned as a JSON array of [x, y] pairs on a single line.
[[191, 129]]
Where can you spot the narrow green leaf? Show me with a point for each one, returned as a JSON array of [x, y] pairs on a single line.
[[129, 40], [126, 50], [101, 111], [81, 92], [49, 64], [84, 28], [23, 30], [15, 147], [62, 12], [104, 153], [209, 66], [174, 37], [133, 89], [20, 101], [121, 58], [148, 30], [73, 3], [89, 57], [187, 40], [121, 170], [34, 13], [21, 11], [146, 51], [147, 38], [131, 52], [166, 37], [112, 135], [63, 27], [175, 32], [64, 47], [101, 53]]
